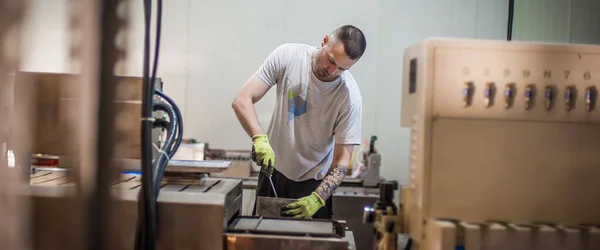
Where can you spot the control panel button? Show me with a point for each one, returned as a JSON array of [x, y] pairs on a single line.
[[467, 93], [590, 98], [488, 93], [549, 97], [569, 97], [509, 95], [529, 96]]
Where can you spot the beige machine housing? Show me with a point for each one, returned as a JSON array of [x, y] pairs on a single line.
[[488, 167]]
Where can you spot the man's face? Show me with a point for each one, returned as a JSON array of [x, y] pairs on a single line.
[[331, 60]]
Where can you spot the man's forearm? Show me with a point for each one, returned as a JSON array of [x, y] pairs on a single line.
[[332, 180], [246, 114]]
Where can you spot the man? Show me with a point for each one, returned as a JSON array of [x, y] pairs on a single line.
[[315, 124]]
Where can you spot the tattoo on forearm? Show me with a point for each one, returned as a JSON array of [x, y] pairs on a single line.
[[332, 180]]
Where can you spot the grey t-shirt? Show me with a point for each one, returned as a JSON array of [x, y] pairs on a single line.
[[310, 116]]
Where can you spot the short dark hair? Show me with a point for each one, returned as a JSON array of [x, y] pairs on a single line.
[[353, 39]]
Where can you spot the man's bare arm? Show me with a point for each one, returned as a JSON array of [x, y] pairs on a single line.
[[253, 90], [337, 171]]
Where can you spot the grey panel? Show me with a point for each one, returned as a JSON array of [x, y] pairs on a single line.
[[247, 224], [295, 226], [349, 207], [491, 19], [270, 207], [542, 21]]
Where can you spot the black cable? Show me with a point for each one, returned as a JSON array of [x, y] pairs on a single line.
[[170, 146], [179, 116], [146, 231], [145, 238], [163, 158], [161, 123], [173, 122], [511, 12], [173, 129], [157, 42]]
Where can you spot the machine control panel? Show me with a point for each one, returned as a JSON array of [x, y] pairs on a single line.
[[502, 133], [551, 94], [516, 85]]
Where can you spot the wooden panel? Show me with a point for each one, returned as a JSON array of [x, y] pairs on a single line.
[[445, 235], [520, 172], [54, 98], [441, 235]]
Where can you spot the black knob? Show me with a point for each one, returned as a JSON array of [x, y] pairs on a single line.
[[368, 215], [386, 191], [389, 226], [372, 144]]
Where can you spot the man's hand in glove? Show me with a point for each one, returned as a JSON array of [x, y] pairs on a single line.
[[263, 154], [304, 208]]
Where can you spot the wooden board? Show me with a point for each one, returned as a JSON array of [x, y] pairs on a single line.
[[54, 107]]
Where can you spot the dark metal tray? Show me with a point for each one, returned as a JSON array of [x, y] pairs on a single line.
[[286, 226]]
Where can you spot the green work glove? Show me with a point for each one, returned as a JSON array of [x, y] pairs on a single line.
[[304, 208], [263, 154]]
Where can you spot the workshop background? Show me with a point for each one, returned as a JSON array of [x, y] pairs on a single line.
[[210, 47]]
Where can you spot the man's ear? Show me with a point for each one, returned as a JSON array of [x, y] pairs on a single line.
[[325, 40]]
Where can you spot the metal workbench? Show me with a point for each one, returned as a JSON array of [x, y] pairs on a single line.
[[216, 202], [349, 201]]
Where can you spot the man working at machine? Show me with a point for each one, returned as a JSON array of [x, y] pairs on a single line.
[[315, 124]]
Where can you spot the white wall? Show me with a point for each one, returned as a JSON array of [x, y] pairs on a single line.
[[210, 47], [45, 44], [562, 21], [229, 40]]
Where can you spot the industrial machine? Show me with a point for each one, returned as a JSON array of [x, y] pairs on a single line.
[[349, 198], [194, 213], [504, 145], [354, 194], [370, 177], [385, 217]]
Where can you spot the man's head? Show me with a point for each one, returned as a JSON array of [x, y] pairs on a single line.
[[340, 50]]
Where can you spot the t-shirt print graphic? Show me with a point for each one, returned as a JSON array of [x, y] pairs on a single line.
[[296, 105]]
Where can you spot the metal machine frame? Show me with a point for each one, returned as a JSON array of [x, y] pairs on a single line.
[[192, 215]]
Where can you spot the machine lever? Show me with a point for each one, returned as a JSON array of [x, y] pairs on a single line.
[[273, 187], [372, 144]]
